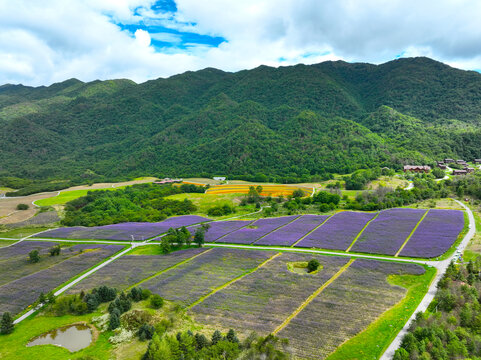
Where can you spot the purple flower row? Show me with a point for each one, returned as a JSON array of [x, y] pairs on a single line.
[[257, 229], [221, 228], [386, 233], [338, 232], [436, 234], [16, 295], [123, 231], [289, 234]]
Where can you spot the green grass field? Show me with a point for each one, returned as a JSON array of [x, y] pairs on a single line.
[[366, 344], [66, 196], [22, 232]]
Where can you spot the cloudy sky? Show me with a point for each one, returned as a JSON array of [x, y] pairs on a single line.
[[47, 41]]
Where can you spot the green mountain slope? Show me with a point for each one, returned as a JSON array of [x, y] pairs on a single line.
[[290, 121]]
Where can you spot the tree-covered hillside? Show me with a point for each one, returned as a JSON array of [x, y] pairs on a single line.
[[290, 121]]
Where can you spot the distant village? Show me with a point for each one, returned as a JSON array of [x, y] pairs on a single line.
[[444, 165]]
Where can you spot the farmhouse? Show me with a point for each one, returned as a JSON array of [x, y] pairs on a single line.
[[442, 166], [459, 172], [417, 168], [469, 169], [448, 161], [461, 162], [219, 178], [477, 161]]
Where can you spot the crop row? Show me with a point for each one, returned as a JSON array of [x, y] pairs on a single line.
[[123, 231], [17, 294]]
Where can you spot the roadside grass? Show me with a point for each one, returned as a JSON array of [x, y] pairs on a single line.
[[444, 203], [474, 247], [22, 232], [4, 243], [374, 340]]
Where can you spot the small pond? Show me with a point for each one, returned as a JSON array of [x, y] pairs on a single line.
[[72, 337]]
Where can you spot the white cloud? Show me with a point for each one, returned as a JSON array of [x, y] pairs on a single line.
[[49, 41]]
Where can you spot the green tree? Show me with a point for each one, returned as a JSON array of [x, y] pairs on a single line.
[[216, 337], [34, 256], [156, 301], [6, 325], [114, 321], [313, 265], [22, 207], [199, 238]]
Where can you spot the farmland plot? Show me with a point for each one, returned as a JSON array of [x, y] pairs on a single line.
[[128, 270], [338, 232], [262, 300], [257, 229], [345, 307], [435, 234], [14, 262], [17, 294], [289, 234], [190, 281], [221, 228], [388, 231], [123, 231]]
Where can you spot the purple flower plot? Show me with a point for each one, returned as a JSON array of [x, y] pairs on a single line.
[[386, 233], [220, 228], [289, 234], [338, 232], [436, 234], [123, 231], [257, 229]]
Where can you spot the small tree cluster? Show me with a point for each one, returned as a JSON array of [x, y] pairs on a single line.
[[120, 305], [313, 265], [138, 294], [175, 238], [34, 256], [55, 250], [6, 324]]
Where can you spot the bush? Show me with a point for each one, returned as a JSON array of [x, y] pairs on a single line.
[[134, 319], [146, 332], [34, 256], [55, 250], [69, 304], [6, 325], [312, 265], [221, 210], [156, 301], [22, 207]]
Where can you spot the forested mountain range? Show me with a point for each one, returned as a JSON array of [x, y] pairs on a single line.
[[290, 121]]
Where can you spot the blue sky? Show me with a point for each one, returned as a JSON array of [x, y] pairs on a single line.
[[42, 42], [168, 39]]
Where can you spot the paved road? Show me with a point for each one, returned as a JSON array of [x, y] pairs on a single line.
[[429, 297]]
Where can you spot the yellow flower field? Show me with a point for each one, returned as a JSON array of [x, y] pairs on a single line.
[[267, 190]]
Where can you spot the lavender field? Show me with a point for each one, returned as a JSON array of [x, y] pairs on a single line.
[[262, 300], [123, 231], [338, 232], [17, 294], [436, 234], [128, 270], [345, 308], [257, 229], [289, 234], [14, 262], [190, 281], [386, 233], [221, 228]]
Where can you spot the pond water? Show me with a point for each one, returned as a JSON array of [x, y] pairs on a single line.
[[72, 337]]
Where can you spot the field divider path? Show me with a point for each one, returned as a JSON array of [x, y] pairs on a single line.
[[411, 234], [232, 281], [278, 228], [167, 269], [312, 297], [310, 232], [360, 232]]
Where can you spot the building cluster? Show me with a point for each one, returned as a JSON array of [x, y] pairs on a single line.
[[466, 168], [417, 168]]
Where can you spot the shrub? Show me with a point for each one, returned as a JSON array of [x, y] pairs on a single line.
[[55, 250], [69, 304], [146, 332], [34, 256], [312, 265], [6, 325], [146, 294], [22, 207], [135, 318], [156, 301]]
